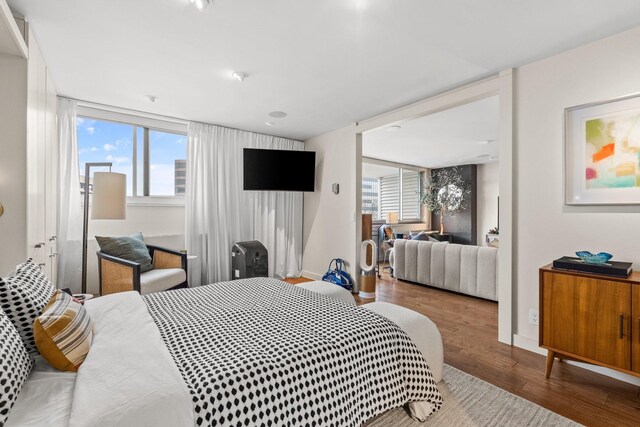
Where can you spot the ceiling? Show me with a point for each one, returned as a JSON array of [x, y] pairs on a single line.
[[371, 170], [326, 63], [459, 136]]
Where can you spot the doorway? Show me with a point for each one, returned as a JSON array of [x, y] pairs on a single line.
[[498, 88]]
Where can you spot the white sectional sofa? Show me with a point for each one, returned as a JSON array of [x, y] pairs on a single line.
[[471, 270]]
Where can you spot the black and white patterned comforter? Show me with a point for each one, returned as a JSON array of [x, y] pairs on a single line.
[[260, 352]]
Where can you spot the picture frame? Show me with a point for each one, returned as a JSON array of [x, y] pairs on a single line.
[[602, 152]]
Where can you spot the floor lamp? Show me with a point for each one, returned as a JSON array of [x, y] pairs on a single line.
[[109, 201]]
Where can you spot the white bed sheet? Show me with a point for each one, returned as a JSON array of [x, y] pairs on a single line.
[[128, 377], [45, 398]]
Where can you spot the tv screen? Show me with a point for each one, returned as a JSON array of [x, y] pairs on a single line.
[[279, 170]]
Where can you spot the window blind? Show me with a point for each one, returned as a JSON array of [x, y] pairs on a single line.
[[370, 197], [389, 195], [410, 195]]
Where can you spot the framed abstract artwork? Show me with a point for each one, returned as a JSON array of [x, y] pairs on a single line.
[[602, 153]]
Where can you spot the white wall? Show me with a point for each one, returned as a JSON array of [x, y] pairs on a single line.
[[160, 225], [13, 161], [330, 220], [488, 190], [545, 228]]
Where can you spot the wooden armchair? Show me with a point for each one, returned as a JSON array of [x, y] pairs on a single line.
[[120, 275]]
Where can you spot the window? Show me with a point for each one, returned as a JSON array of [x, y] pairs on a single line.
[[153, 160], [389, 195], [410, 195], [370, 196], [167, 156], [393, 190]]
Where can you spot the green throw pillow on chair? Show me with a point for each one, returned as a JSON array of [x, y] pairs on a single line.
[[132, 248]]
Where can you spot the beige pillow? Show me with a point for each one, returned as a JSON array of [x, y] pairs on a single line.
[[63, 332]]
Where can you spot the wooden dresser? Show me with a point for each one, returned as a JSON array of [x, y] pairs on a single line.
[[590, 318]]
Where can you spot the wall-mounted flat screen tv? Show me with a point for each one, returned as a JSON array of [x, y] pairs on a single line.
[[279, 170]]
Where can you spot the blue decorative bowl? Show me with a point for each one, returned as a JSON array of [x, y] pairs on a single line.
[[589, 258]]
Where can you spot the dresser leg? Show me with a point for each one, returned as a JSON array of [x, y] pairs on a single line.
[[550, 356]]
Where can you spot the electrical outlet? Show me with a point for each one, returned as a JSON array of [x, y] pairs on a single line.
[[533, 316]]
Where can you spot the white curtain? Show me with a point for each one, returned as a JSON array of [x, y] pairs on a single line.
[[69, 202], [219, 213]]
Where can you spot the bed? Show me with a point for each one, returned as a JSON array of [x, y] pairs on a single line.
[[247, 352]]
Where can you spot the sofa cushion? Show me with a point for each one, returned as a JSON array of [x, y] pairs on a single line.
[[161, 279], [487, 273], [452, 254], [398, 259], [438, 263], [424, 262], [132, 248], [411, 260], [469, 270]]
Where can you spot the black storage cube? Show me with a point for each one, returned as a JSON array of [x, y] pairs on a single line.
[[249, 259]]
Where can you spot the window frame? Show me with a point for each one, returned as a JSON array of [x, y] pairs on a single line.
[[401, 198], [144, 121], [400, 168]]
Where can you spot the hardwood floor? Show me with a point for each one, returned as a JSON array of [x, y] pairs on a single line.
[[469, 330]]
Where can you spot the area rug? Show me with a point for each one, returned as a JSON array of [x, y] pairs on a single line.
[[469, 401]]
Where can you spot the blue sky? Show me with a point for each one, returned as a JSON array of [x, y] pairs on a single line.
[[102, 141]]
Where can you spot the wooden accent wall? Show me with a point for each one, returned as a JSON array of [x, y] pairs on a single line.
[[367, 224]]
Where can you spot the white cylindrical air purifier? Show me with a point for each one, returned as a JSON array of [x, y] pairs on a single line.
[[368, 269]]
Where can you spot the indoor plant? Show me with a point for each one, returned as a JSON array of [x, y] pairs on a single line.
[[445, 192]]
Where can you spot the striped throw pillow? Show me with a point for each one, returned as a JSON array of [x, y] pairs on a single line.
[[63, 332]]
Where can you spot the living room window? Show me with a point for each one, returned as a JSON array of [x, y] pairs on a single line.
[[153, 159], [370, 188], [396, 191]]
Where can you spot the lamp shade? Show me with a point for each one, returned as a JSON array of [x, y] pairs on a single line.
[[109, 196]]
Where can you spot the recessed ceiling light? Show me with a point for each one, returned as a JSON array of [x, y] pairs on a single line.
[[201, 4], [278, 114], [151, 98], [239, 76], [394, 128], [269, 123], [485, 142]]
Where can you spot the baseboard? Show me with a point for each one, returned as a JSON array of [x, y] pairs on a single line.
[[531, 344], [312, 275]]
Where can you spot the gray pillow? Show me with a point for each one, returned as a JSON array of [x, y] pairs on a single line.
[[132, 248], [420, 236]]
